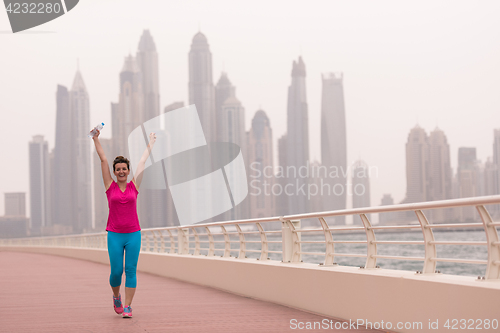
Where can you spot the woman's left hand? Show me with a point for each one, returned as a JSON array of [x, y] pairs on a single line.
[[152, 138]]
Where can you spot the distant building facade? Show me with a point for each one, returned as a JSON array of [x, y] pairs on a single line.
[[15, 204], [40, 184], [261, 171], [201, 87], [297, 143], [334, 142], [388, 217], [467, 180], [81, 185]]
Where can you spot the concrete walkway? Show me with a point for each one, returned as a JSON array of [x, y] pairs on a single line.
[[42, 293]]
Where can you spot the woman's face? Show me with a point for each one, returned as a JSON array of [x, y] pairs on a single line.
[[121, 171]]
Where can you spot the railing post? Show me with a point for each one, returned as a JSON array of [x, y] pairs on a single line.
[[211, 244], [182, 241], [241, 254], [263, 242], [430, 247], [155, 241], [371, 247], [492, 270], [196, 243], [329, 249], [162, 242], [290, 238], [172, 241], [227, 242]]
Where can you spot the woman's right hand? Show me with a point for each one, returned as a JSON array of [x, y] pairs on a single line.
[[96, 135]]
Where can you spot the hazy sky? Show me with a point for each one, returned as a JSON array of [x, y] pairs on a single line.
[[432, 62]]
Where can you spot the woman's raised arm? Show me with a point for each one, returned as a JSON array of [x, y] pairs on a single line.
[[106, 175], [140, 168]]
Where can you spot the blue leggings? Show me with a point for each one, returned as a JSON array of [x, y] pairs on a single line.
[[117, 244]]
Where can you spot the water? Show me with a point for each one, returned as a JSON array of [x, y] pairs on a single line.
[[443, 251]]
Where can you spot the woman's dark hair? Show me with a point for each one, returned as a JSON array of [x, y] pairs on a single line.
[[121, 159]]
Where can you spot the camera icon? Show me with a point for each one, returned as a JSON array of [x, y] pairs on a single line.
[[205, 179]]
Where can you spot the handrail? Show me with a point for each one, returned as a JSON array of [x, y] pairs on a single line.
[[177, 240]]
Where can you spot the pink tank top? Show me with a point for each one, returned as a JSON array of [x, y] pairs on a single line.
[[122, 216]]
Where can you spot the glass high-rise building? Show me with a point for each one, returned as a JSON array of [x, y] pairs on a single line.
[[297, 143], [223, 90], [334, 143], [417, 164], [63, 163], [260, 157], [40, 191], [201, 86], [82, 205]]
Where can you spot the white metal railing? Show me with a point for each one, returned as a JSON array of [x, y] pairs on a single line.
[[232, 238]]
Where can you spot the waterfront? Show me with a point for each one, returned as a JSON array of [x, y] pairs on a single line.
[[475, 252]]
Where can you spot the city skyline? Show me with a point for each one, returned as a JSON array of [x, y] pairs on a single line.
[[357, 122]]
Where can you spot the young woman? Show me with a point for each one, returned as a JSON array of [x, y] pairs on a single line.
[[124, 231]]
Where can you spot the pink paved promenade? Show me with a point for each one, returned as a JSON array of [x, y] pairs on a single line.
[[42, 293]]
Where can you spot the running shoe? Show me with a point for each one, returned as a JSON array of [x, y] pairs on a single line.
[[127, 312], [117, 304]]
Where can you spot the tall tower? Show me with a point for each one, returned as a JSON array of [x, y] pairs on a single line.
[[152, 202], [79, 104], [127, 114], [282, 199], [417, 165], [467, 179], [40, 192], [223, 90], [260, 157], [334, 142], [232, 120], [360, 187], [439, 174], [147, 61], [64, 157], [201, 87], [297, 143]]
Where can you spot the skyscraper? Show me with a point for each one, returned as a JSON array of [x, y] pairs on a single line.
[[439, 174], [152, 202], [297, 143], [360, 187], [334, 142], [64, 157], [147, 61], [201, 87], [127, 114], [82, 205], [439, 171], [281, 179], [466, 175], [223, 90], [260, 157], [40, 184], [417, 165]]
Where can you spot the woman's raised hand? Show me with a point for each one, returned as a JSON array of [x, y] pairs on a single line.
[[152, 138], [97, 132]]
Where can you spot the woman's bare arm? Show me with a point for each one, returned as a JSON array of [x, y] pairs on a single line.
[[106, 175], [140, 168]]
